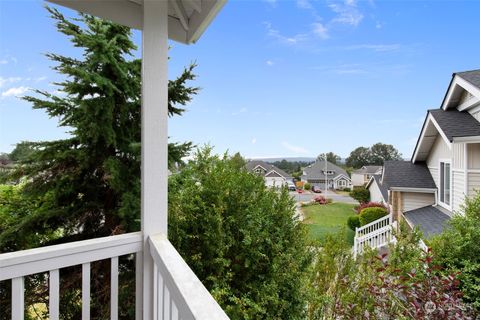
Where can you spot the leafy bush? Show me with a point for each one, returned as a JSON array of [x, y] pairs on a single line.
[[307, 186], [239, 238], [457, 249], [353, 222], [368, 215], [320, 199], [373, 287], [370, 205], [361, 194], [347, 189]]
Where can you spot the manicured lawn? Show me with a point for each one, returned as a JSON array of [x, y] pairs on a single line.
[[331, 218]]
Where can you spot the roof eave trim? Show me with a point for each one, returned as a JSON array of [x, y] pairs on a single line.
[[429, 117], [419, 190], [458, 81]]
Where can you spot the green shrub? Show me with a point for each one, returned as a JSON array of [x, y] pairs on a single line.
[[239, 238], [362, 195], [353, 222], [371, 214], [307, 186], [456, 249], [347, 189]]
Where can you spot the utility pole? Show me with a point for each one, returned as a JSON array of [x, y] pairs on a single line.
[[326, 175]]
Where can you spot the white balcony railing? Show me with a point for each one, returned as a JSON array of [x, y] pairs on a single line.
[[374, 225], [375, 239], [177, 294]]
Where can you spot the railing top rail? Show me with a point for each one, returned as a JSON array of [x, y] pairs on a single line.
[[388, 216], [183, 282], [387, 228], [26, 262]]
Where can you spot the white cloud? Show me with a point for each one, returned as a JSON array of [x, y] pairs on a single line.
[[304, 4], [242, 110], [287, 40], [254, 140], [3, 61], [40, 79], [294, 149], [320, 30], [14, 92], [347, 13], [273, 3], [8, 59], [4, 81], [375, 47], [378, 25], [270, 63]]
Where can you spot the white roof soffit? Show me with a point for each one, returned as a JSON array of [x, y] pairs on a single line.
[[429, 133], [454, 94], [187, 19]]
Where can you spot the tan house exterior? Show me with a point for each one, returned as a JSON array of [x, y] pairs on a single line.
[[445, 166]]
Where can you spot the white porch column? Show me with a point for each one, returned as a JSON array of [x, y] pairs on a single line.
[[154, 135]]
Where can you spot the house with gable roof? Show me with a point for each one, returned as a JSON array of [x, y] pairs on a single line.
[[361, 177], [322, 172], [445, 166], [274, 176]]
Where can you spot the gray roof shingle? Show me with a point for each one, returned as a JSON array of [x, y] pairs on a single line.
[[368, 170], [456, 123], [472, 76], [315, 170], [404, 174], [430, 220], [252, 164]]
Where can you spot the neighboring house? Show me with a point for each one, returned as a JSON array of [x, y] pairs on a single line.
[[361, 177], [274, 177], [319, 173], [445, 166]]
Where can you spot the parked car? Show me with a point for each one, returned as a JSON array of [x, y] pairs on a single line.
[[292, 187], [300, 190], [316, 189]]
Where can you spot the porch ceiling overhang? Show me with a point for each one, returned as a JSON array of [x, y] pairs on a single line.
[[187, 19]]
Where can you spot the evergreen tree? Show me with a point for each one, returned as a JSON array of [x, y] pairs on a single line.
[[92, 179]]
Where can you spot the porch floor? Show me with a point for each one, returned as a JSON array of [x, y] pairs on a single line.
[[430, 220]]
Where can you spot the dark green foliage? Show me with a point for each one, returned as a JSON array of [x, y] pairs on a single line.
[[358, 157], [239, 238], [375, 155], [22, 151], [331, 157], [291, 167], [361, 194], [458, 251], [353, 222], [307, 186], [88, 185], [371, 214]]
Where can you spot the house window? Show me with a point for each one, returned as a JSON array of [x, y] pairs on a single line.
[[445, 178]]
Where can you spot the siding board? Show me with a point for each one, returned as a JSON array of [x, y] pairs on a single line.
[[415, 200]]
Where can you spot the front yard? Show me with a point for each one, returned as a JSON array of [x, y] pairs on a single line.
[[331, 218]]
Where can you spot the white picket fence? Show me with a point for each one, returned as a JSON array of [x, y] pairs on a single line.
[[177, 293]]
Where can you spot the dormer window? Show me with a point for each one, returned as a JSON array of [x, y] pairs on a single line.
[[329, 172]]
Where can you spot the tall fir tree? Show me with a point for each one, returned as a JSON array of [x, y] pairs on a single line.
[[88, 185]]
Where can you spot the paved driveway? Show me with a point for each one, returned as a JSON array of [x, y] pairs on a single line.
[[306, 197]]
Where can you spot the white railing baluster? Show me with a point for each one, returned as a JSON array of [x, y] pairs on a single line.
[[166, 303], [86, 291], [114, 289], [174, 311], [138, 286], [54, 295], [18, 298]]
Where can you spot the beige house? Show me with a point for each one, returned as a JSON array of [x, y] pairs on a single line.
[[445, 166], [361, 177]]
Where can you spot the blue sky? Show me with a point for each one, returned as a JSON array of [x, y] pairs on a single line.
[[278, 78]]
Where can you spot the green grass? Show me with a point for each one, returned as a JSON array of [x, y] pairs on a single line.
[[331, 218]]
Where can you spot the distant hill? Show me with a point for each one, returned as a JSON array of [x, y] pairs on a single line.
[[289, 159]]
